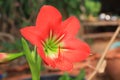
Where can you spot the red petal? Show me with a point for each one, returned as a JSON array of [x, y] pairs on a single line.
[[64, 64], [48, 18], [76, 50], [71, 26], [31, 34]]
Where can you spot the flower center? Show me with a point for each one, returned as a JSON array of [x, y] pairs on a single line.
[[52, 45]]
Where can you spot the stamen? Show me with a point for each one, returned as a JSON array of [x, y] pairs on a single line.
[[59, 39], [52, 45], [59, 54], [43, 43]]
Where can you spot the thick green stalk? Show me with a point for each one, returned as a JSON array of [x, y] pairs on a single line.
[[33, 59], [35, 72]]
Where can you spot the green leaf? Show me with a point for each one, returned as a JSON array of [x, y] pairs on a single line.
[[65, 77], [26, 50], [34, 55], [81, 75], [36, 58]]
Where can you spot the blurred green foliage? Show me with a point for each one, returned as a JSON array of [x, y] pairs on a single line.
[[24, 12], [20, 12], [11, 47], [92, 7], [76, 7], [15, 14], [80, 76], [66, 7]]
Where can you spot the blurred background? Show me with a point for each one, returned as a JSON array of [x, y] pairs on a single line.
[[99, 19], [15, 14]]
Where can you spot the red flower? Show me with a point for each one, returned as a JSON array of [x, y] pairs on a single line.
[[55, 40]]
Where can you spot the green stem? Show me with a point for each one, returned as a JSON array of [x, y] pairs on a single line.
[[35, 73], [33, 59], [11, 56], [35, 70]]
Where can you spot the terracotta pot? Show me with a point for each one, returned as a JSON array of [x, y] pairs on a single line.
[[113, 69], [113, 63]]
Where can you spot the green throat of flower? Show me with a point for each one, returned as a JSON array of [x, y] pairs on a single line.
[[52, 46]]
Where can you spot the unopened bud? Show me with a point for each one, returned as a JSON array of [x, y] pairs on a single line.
[[3, 57]]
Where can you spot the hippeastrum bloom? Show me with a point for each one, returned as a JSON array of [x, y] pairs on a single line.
[[55, 40]]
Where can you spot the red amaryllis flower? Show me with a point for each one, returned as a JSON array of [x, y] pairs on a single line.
[[55, 40]]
